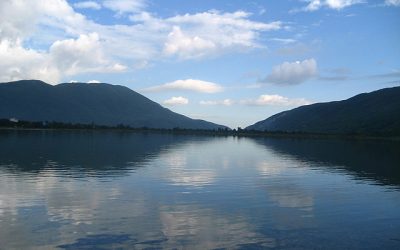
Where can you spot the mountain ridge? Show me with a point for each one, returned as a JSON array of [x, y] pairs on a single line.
[[99, 103], [377, 112]]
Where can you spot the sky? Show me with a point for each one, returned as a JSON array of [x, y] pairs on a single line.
[[228, 61]]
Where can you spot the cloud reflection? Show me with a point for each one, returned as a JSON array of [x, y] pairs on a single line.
[[186, 224], [181, 172]]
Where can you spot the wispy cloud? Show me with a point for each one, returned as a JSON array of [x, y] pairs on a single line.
[[262, 100], [296, 49], [336, 75], [225, 102], [189, 85], [179, 100], [87, 5], [333, 78], [392, 3], [344, 74], [314, 5], [393, 74], [275, 100], [284, 40], [125, 6]]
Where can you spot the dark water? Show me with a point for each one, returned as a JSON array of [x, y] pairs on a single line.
[[102, 190]]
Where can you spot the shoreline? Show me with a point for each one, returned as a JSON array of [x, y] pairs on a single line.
[[221, 133]]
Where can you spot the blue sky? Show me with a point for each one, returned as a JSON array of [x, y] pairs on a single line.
[[229, 62]]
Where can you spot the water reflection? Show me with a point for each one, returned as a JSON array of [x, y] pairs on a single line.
[[186, 224], [82, 153], [84, 190], [377, 160], [181, 172]]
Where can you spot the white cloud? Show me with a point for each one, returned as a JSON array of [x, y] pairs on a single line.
[[23, 19], [176, 101], [186, 47], [65, 57], [188, 84], [340, 4], [392, 2], [19, 63], [52, 40], [225, 102], [314, 5], [125, 6], [206, 33], [284, 40], [117, 67], [93, 81], [275, 100], [74, 56], [87, 5], [216, 19], [293, 72]]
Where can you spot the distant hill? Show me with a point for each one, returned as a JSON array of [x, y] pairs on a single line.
[[101, 104], [375, 113]]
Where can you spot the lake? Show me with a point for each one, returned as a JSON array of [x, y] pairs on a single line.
[[122, 190]]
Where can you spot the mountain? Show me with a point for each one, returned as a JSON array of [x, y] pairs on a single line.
[[101, 104], [375, 113]]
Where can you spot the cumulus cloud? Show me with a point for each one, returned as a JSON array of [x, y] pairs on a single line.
[[60, 35], [275, 100], [179, 100], [87, 5], [19, 63], [290, 73], [185, 46], [188, 84], [314, 5], [64, 58], [209, 32], [392, 2], [74, 56], [23, 19], [225, 102]]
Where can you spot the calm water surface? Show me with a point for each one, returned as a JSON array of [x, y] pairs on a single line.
[[102, 190]]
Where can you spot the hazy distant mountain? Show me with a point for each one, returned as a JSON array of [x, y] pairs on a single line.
[[102, 104], [375, 113]]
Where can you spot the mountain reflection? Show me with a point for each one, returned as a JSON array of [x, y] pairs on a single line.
[[80, 153], [376, 160]]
